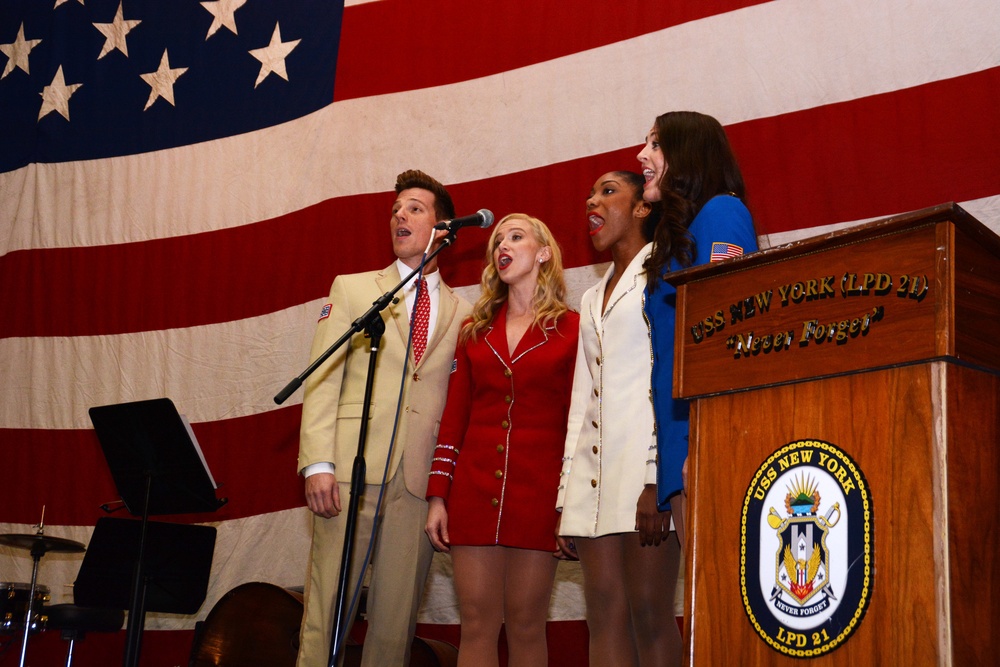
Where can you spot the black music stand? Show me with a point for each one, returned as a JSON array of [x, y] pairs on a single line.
[[158, 469], [177, 566]]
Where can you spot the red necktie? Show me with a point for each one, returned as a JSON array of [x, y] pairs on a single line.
[[420, 321]]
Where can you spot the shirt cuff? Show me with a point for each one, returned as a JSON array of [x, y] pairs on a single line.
[[318, 467]]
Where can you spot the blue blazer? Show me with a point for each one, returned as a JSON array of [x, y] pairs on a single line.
[[724, 218]]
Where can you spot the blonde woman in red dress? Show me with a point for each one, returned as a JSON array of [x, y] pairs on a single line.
[[493, 482]]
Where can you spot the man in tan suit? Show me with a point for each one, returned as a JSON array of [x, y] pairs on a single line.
[[331, 416]]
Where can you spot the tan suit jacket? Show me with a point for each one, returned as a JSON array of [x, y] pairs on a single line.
[[331, 419], [331, 413]]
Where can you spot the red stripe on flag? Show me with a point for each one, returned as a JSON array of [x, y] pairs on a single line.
[[268, 266], [251, 458], [389, 47], [921, 146], [873, 156]]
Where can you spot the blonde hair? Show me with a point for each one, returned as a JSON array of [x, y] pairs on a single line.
[[550, 291]]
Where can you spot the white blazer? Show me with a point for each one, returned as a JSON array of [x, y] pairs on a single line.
[[610, 451]]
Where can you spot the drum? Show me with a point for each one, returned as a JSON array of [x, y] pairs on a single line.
[[14, 607], [258, 624]]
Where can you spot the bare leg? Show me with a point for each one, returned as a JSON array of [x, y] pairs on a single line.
[[650, 576], [527, 592], [608, 617], [479, 584]]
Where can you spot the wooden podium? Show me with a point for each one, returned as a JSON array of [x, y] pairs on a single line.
[[844, 458]]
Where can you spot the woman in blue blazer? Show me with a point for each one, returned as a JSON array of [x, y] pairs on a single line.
[[691, 170]]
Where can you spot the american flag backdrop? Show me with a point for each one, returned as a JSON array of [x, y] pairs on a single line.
[[181, 181]]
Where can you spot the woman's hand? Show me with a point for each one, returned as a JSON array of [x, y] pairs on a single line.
[[565, 546], [652, 524], [437, 524]]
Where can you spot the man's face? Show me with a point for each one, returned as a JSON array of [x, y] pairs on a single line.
[[412, 224]]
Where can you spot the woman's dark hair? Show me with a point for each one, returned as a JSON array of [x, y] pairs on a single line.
[[700, 165]]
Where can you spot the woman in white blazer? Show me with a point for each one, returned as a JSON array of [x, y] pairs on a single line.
[[607, 490]]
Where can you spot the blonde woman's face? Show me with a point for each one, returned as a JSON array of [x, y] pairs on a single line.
[[517, 254]]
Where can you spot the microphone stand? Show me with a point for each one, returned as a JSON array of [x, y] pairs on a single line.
[[372, 324]]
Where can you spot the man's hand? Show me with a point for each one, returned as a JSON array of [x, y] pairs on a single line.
[[323, 494]]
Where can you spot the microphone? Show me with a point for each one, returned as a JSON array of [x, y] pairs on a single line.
[[482, 218]]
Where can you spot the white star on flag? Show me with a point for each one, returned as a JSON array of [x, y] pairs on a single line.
[[55, 96], [115, 33], [162, 81], [224, 13], [272, 57], [17, 52]]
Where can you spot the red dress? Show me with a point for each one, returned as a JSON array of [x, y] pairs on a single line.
[[500, 446]]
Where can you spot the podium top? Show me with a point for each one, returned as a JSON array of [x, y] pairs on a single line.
[[947, 212], [906, 289]]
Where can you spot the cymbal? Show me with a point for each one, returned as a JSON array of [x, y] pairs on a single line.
[[41, 543]]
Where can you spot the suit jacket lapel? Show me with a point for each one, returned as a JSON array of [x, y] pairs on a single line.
[[447, 308], [496, 338], [596, 316], [532, 339], [386, 280], [629, 279]]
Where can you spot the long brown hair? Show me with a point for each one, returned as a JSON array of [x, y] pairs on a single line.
[[550, 292], [700, 165]]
